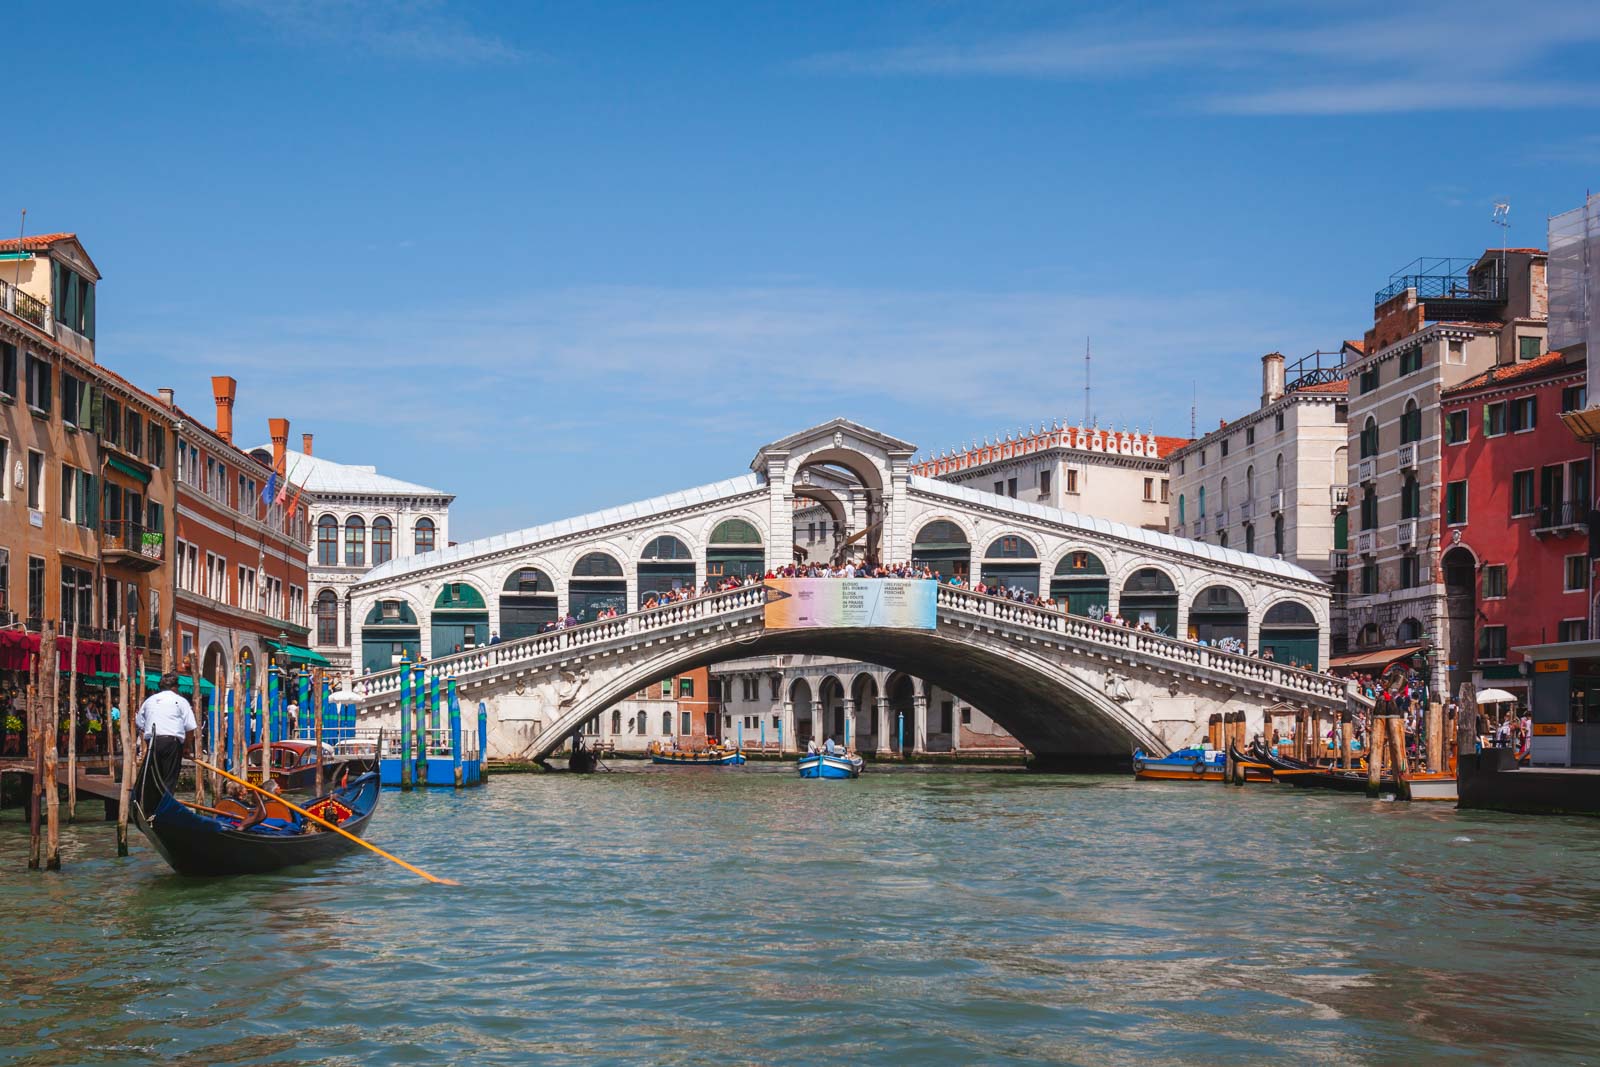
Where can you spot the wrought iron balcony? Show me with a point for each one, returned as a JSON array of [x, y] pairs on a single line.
[[23, 306], [1452, 288], [130, 544], [1566, 517]]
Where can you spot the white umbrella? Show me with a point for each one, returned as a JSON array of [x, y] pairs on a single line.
[[344, 696], [1495, 696]]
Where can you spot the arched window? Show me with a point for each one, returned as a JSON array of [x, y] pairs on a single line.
[[1289, 632], [1080, 584], [735, 532], [644, 724], [1181, 519], [665, 565], [616, 722], [597, 565], [597, 584], [327, 618], [527, 603], [1277, 535], [1011, 547], [1201, 512], [355, 542], [735, 551], [1222, 539], [327, 541], [1369, 438], [666, 724], [382, 540], [942, 545], [1250, 482], [1249, 538], [1410, 497], [423, 535], [1410, 631], [1224, 495], [1411, 423], [665, 547], [1277, 473]]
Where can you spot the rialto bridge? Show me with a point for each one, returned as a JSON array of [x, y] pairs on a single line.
[[1067, 686]]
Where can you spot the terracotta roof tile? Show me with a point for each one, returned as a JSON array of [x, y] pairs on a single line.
[[37, 243], [1549, 365], [1325, 387], [1166, 446]]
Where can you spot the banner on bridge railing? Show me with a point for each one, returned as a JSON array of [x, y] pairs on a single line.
[[892, 603]]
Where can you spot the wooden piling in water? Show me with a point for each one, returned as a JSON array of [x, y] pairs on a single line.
[[1347, 736], [72, 729], [125, 729], [1436, 760], [316, 728], [52, 754], [36, 754]]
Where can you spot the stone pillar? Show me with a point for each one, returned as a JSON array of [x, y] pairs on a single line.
[[885, 728], [789, 744], [848, 736], [780, 511], [1252, 632], [919, 723], [1180, 629]]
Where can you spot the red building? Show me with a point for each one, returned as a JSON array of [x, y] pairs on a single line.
[[1517, 493], [240, 564]]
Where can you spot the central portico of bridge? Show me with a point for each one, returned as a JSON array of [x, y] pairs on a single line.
[[1065, 683]]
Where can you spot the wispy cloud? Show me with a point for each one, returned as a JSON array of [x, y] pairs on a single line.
[[1271, 59], [417, 30]]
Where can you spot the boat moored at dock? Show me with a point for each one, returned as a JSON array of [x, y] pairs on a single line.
[[705, 757], [1194, 764], [829, 765]]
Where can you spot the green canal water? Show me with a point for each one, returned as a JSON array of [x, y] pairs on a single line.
[[685, 917]]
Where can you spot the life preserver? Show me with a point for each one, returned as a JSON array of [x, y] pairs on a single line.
[[1138, 766], [1199, 768]]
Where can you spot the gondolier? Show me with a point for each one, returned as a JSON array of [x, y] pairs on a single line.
[[165, 720]]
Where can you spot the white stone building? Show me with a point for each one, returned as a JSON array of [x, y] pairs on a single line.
[[1272, 482], [364, 519]]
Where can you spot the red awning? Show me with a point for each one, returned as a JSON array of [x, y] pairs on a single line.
[[1372, 662]]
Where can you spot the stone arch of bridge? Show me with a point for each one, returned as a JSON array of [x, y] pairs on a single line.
[[1053, 707]]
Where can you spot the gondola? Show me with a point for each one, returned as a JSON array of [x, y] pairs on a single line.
[[209, 843], [1247, 767], [1307, 776]]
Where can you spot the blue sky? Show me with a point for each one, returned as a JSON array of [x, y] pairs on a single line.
[[555, 257]]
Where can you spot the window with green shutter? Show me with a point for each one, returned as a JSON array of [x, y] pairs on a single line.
[[1455, 503]]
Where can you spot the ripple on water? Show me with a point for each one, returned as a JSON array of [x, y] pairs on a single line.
[[751, 917]]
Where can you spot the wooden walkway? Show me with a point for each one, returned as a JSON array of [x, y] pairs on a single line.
[[100, 786]]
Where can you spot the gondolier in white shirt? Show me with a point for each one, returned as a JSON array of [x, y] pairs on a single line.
[[165, 721]]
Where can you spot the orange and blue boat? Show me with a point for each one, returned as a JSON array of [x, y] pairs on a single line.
[[1193, 764]]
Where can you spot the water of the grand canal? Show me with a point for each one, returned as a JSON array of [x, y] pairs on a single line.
[[702, 916]]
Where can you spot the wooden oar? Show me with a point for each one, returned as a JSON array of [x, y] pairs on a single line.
[[328, 825]]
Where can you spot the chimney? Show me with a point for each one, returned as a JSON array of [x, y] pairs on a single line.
[[1271, 377], [279, 429], [305, 443], [223, 389], [166, 396]]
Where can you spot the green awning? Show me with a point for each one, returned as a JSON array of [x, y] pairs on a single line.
[[305, 657], [1499, 671], [128, 468], [152, 681]]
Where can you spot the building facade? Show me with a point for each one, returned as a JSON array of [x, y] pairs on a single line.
[[362, 520], [239, 563], [1435, 325], [1273, 481], [1516, 561], [679, 711], [86, 491]]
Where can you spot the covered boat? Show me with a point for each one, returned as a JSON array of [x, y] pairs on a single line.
[[1193, 764], [829, 765], [705, 757], [206, 842]]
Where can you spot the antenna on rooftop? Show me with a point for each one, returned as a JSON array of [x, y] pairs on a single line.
[[1194, 406], [22, 229], [1087, 367], [1501, 217]]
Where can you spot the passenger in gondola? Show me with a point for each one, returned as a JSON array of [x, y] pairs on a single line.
[[164, 721], [830, 748], [811, 746]]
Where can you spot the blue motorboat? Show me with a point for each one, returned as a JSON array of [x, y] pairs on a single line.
[[824, 765], [1194, 764]]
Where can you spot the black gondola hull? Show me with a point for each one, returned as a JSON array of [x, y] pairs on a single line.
[[198, 846]]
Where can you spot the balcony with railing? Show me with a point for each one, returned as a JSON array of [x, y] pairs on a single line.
[[1277, 500], [1406, 457], [1405, 533], [1456, 289], [1564, 517], [1339, 559], [130, 544], [1247, 510], [29, 308], [1367, 542], [1199, 526], [1338, 496], [1366, 470]]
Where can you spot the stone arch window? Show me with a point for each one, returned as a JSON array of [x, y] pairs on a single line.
[[1410, 631], [1201, 513], [1222, 493], [735, 551], [1149, 597], [616, 722], [665, 564], [942, 545], [1081, 585], [1277, 535], [1011, 562], [382, 540], [644, 724], [666, 724], [327, 618], [1249, 537], [1289, 633], [1411, 423], [1181, 519], [597, 583], [1277, 472], [1369, 438], [1369, 636], [423, 535], [527, 603], [355, 542], [327, 541], [1218, 615], [460, 619], [1250, 483], [389, 634]]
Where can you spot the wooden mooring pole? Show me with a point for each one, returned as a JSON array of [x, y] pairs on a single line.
[[125, 729], [51, 691], [72, 728], [36, 752]]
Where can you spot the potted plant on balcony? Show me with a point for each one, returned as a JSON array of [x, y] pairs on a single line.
[[13, 733]]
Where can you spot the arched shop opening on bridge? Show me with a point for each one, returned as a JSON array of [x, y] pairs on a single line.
[[735, 551], [805, 712], [864, 724], [1080, 584], [943, 546], [665, 564], [1012, 561], [527, 603], [1289, 631], [1150, 598], [901, 691], [460, 619], [597, 583], [389, 633], [1218, 613]]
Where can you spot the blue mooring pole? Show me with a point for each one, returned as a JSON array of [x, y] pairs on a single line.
[[455, 730], [483, 741], [405, 727], [901, 716], [424, 721], [227, 753]]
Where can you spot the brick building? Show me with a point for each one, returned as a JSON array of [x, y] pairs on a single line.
[[1518, 489]]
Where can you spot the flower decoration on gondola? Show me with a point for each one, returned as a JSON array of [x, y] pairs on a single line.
[[331, 810]]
